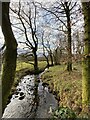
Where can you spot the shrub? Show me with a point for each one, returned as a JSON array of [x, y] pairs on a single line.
[[63, 113]]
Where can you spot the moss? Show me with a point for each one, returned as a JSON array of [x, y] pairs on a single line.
[[86, 82], [86, 60]]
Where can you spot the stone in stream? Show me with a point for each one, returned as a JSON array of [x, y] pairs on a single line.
[[21, 98], [21, 93], [30, 80]]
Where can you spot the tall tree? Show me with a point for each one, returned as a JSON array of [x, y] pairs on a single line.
[[27, 19], [47, 48], [57, 55], [65, 12], [86, 59], [44, 50], [10, 56]]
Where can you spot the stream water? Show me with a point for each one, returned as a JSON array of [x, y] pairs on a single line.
[[22, 102]]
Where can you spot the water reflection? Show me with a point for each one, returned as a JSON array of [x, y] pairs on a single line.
[[23, 100], [31, 94]]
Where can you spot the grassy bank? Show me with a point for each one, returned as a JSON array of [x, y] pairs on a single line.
[[66, 86]]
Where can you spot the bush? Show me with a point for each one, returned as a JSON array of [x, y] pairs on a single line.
[[63, 113]]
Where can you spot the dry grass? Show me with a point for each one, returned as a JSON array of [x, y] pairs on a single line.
[[66, 85]]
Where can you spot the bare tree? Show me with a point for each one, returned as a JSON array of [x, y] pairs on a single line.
[[78, 45], [57, 53], [27, 16], [47, 47], [66, 14], [45, 50]]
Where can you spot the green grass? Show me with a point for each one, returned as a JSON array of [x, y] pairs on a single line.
[[66, 85], [23, 65]]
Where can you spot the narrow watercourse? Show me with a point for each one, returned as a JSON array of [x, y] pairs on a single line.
[[31, 99]]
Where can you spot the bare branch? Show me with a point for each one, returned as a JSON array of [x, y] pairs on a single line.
[[75, 3], [54, 15]]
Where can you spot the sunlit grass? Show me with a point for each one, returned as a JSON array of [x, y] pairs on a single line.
[[23, 65]]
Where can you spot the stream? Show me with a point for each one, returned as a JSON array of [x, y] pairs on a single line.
[[22, 103]]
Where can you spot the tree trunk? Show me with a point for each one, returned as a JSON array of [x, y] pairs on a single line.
[[46, 60], [51, 58], [86, 60], [55, 57], [47, 63], [69, 64], [35, 62], [9, 65]]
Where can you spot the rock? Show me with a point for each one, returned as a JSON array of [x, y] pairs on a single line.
[[21, 94], [22, 97]]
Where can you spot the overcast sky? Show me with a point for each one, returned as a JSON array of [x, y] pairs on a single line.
[[1, 35], [43, 1]]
